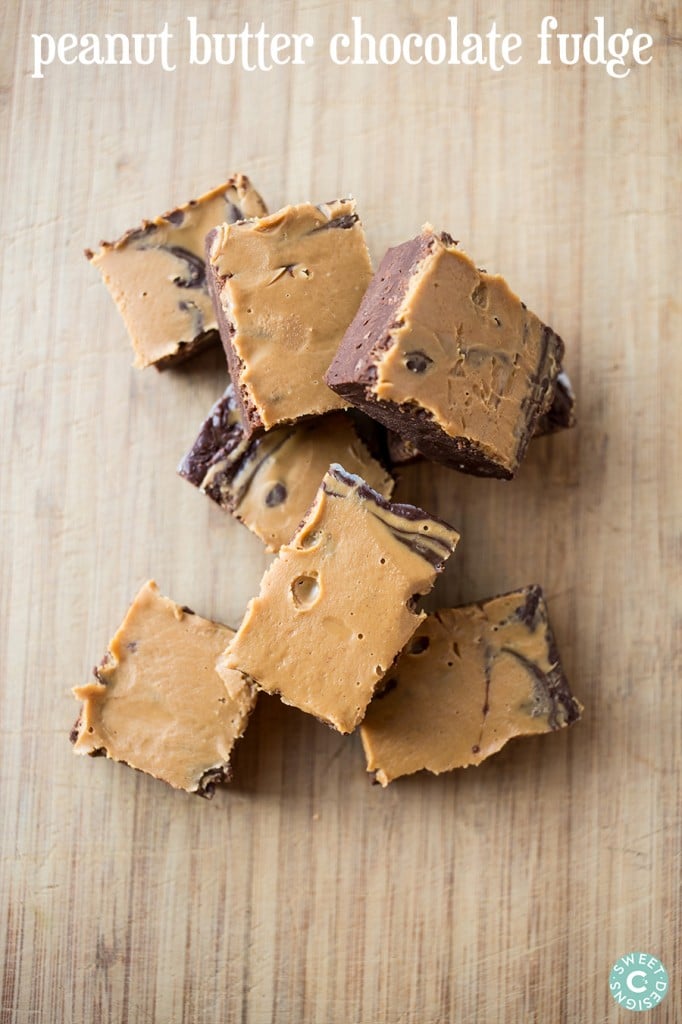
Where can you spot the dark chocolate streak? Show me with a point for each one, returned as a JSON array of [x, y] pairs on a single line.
[[527, 613], [195, 313], [554, 683], [148, 227], [347, 221], [234, 214], [418, 362], [186, 349], [75, 728], [249, 413], [254, 458], [196, 269], [418, 645], [561, 413], [217, 438], [276, 495], [175, 217], [488, 659], [210, 779], [386, 688], [533, 403], [411, 513], [411, 541]]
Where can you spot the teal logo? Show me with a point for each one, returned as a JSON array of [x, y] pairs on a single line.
[[638, 981]]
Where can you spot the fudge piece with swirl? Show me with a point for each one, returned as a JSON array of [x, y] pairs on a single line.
[[338, 603], [269, 482], [157, 274], [470, 679]]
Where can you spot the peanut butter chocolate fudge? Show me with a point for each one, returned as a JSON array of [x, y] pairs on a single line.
[[270, 482], [469, 680], [162, 700], [157, 275], [448, 357], [337, 604], [285, 289]]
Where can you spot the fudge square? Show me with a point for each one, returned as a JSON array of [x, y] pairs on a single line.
[[157, 275], [448, 357], [269, 482], [285, 288], [162, 701], [470, 679], [337, 604]]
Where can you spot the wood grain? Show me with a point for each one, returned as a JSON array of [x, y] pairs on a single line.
[[303, 893]]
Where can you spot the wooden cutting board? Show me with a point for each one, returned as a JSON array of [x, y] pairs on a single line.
[[302, 893]]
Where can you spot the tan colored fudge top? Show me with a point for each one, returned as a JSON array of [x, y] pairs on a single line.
[[470, 679], [335, 607], [276, 482], [465, 348], [289, 286], [162, 701], [157, 275]]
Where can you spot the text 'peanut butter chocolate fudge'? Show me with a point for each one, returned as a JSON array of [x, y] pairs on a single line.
[[285, 289], [157, 275], [449, 357], [470, 679], [162, 700], [337, 604], [270, 482]]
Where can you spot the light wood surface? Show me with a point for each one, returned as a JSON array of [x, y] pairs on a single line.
[[303, 893]]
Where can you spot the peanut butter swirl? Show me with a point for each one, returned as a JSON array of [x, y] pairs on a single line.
[[337, 604], [162, 700], [469, 680]]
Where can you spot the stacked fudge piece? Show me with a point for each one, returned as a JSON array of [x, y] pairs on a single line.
[[455, 368]]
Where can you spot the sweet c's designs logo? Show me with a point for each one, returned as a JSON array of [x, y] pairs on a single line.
[[638, 981]]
